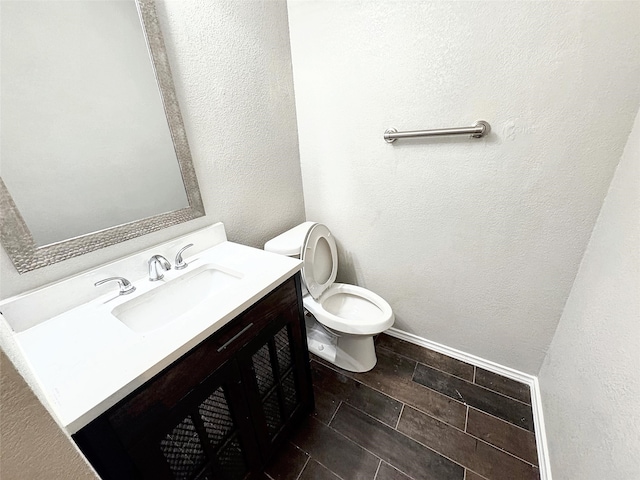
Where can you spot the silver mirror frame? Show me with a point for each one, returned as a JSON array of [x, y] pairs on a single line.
[[14, 233]]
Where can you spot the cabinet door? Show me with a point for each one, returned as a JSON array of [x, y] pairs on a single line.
[[277, 380], [207, 436]]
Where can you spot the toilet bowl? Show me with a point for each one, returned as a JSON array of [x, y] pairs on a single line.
[[349, 315]]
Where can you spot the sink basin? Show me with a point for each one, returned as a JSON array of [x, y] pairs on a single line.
[[174, 298]]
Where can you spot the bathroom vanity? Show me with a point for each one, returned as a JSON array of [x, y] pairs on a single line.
[[200, 375], [218, 412]]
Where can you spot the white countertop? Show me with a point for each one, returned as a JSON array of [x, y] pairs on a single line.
[[85, 360]]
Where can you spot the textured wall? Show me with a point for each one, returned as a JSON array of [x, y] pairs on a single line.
[[32, 445], [474, 243], [589, 380], [231, 65]]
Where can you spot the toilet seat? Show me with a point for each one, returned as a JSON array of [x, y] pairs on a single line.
[[341, 307], [319, 260], [351, 309]]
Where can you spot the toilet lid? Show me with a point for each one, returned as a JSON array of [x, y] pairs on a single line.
[[319, 260]]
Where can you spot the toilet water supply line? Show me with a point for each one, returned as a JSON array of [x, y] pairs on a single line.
[[479, 130]]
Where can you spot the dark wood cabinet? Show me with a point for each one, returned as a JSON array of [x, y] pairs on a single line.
[[221, 410]]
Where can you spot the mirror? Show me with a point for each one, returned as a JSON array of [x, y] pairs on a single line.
[[94, 150]]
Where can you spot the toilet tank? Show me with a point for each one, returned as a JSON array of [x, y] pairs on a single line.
[[290, 242]]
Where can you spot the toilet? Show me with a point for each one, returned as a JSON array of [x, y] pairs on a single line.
[[341, 319]]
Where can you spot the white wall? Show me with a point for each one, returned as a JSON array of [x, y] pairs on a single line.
[[474, 243], [589, 380], [232, 70]]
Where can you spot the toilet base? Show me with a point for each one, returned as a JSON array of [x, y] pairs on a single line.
[[354, 353]]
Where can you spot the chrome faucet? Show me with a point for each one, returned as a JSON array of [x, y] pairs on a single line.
[[158, 264]]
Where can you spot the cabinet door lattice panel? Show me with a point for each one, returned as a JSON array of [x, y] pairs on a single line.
[[283, 349], [273, 369], [183, 450], [263, 370], [216, 416], [231, 460], [204, 440]]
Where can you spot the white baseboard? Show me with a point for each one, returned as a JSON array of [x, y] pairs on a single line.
[[531, 380]]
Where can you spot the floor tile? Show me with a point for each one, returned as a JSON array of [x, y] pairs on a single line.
[[337, 453], [464, 449], [288, 463], [387, 472], [517, 441], [390, 364], [506, 408], [392, 376], [506, 386], [328, 382], [355, 422], [326, 405], [315, 471], [426, 356], [393, 447]]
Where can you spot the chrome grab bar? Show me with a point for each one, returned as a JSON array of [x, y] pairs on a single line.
[[479, 130]]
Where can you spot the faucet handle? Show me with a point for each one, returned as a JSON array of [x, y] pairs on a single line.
[[180, 263], [125, 285]]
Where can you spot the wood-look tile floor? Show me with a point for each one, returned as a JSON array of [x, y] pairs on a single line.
[[417, 415]]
